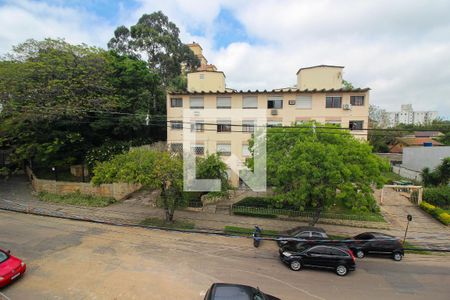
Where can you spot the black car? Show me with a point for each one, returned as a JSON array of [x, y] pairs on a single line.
[[375, 242], [338, 258], [229, 291], [301, 233]]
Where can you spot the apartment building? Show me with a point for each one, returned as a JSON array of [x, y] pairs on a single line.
[[407, 115], [318, 96]]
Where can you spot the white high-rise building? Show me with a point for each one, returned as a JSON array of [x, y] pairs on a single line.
[[407, 115]]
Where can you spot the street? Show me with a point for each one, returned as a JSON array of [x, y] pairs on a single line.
[[80, 260]]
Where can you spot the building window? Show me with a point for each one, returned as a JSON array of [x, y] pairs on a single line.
[[223, 102], [223, 126], [245, 151], [176, 147], [249, 102], [357, 100], [356, 125], [275, 102], [198, 126], [333, 102], [224, 149], [196, 102], [303, 102], [176, 102], [274, 124], [176, 125], [202, 76], [198, 149], [248, 126]]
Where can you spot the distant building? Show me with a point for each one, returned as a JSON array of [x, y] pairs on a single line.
[[412, 141], [408, 116]]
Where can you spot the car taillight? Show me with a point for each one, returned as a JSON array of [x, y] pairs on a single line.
[[351, 254]]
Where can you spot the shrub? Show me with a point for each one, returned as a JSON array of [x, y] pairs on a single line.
[[439, 196], [255, 202], [254, 214], [438, 213]]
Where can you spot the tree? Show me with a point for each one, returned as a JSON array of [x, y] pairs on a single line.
[[158, 38], [313, 169], [212, 167], [439, 176], [346, 85]]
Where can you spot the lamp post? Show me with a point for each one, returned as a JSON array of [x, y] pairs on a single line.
[[409, 218], [55, 173]]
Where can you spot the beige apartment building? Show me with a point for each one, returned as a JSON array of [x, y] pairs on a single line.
[[318, 97]]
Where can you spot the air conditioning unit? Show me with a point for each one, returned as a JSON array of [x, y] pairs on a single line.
[[347, 107], [291, 102], [274, 112]]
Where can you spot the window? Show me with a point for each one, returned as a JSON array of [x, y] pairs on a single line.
[[198, 149], [248, 126], [319, 250], [176, 125], [223, 126], [250, 102], [245, 151], [303, 234], [356, 125], [275, 102], [196, 102], [176, 102], [224, 149], [223, 102], [363, 236], [176, 147], [202, 76], [357, 100], [198, 126], [274, 124], [333, 102], [337, 252], [316, 234], [303, 102]]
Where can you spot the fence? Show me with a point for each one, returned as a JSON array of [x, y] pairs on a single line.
[[304, 214]]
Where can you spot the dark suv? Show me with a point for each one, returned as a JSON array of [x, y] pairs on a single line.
[[229, 291], [338, 258], [375, 242]]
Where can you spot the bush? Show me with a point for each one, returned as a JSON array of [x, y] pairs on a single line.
[[255, 202], [438, 213], [76, 199], [254, 214], [439, 196]]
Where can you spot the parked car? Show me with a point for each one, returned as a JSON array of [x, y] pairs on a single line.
[[375, 242], [11, 268], [301, 233], [338, 258], [230, 291]]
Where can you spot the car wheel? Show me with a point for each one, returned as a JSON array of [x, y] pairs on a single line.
[[360, 254], [295, 265], [341, 270], [397, 256]]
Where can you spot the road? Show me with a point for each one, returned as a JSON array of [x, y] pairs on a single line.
[[80, 260]]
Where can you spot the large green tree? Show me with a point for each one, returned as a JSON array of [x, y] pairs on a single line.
[[313, 168], [159, 40]]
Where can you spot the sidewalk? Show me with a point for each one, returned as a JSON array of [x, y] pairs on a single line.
[[16, 195]]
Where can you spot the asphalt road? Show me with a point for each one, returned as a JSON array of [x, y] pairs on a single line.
[[79, 260]]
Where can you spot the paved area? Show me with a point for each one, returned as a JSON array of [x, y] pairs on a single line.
[[79, 260], [423, 231]]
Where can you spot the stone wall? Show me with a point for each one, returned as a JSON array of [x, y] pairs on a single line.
[[407, 173], [117, 191]]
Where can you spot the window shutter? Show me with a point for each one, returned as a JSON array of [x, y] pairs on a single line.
[[304, 102], [250, 102]]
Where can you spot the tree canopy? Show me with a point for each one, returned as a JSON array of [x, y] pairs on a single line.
[[315, 168]]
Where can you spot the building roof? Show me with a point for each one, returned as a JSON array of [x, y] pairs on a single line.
[[274, 91], [418, 141], [427, 133], [319, 66]]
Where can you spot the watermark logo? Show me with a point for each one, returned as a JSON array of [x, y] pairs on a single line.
[[213, 130]]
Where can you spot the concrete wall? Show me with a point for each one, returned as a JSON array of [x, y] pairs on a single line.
[[206, 81], [117, 191], [417, 158], [319, 78], [407, 173]]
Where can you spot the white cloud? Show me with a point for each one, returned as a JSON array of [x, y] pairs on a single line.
[[401, 49]]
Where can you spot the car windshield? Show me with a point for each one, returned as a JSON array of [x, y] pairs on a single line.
[[3, 256]]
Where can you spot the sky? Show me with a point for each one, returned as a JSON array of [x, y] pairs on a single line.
[[400, 49]]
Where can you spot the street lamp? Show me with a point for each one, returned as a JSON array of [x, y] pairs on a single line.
[[409, 218]]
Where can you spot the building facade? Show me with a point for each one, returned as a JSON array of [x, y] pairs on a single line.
[[408, 116], [318, 97]]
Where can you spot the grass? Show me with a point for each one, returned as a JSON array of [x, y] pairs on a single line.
[[76, 199], [176, 224], [247, 231], [412, 246]]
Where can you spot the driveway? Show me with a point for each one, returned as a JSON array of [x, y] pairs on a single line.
[[79, 260]]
